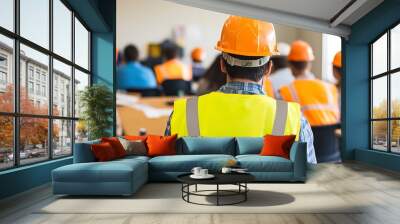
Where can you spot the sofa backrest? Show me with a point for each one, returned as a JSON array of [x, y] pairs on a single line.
[[205, 145], [249, 145], [83, 153]]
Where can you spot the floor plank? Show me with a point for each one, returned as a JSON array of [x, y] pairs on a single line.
[[378, 190]]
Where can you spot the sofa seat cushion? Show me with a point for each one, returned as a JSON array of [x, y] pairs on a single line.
[[185, 163], [257, 163], [112, 171]]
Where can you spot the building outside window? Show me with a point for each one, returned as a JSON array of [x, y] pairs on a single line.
[[30, 72], [30, 87], [56, 127], [385, 94]]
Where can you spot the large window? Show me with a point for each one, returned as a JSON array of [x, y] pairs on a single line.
[[385, 93], [44, 64]]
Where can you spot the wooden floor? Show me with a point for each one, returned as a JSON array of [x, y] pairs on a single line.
[[379, 189]]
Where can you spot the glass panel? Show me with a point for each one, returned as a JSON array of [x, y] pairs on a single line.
[[35, 21], [34, 68], [395, 95], [379, 135], [379, 55], [62, 29], [81, 45], [33, 139], [379, 97], [6, 142], [6, 74], [81, 132], [81, 81], [62, 138], [395, 47], [62, 89], [395, 138], [7, 14]]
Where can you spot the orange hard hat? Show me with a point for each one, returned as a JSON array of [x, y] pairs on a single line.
[[300, 51], [198, 54], [247, 37], [337, 60]]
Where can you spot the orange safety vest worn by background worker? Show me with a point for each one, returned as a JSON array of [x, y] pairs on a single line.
[[269, 90], [318, 100], [172, 69]]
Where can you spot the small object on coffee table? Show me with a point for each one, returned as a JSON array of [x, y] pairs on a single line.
[[238, 179]]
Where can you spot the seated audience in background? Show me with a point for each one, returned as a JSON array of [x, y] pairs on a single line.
[[281, 74], [212, 79], [173, 68], [198, 56], [132, 75]]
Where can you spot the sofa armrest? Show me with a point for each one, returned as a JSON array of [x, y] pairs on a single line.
[[298, 155], [83, 152]]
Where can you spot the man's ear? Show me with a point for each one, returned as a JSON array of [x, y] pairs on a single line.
[[269, 69], [222, 65]]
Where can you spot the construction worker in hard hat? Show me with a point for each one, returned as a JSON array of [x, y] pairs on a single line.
[[318, 99], [198, 55], [240, 108], [173, 68], [281, 74], [337, 69]]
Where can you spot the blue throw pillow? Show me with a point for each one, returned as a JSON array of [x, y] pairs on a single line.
[[206, 145], [249, 145]]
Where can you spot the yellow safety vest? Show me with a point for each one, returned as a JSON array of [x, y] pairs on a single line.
[[220, 114]]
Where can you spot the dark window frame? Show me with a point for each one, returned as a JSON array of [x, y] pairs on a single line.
[[16, 114], [388, 74]]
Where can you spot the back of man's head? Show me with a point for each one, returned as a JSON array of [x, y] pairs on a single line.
[[170, 52], [131, 53], [250, 73], [299, 67]]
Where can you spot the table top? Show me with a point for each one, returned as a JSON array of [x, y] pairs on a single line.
[[220, 178], [132, 120]]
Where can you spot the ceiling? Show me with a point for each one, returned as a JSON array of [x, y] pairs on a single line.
[[327, 16]]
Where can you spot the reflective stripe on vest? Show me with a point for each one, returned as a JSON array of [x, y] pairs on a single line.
[[317, 113], [234, 115]]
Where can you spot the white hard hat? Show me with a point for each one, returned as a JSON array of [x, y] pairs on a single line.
[[283, 48]]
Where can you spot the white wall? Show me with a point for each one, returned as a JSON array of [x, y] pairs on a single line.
[[143, 21]]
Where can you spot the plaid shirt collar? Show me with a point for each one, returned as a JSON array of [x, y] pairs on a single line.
[[242, 88]]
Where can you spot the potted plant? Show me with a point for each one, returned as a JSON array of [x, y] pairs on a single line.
[[96, 103]]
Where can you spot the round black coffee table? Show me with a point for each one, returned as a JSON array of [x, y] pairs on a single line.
[[238, 179]]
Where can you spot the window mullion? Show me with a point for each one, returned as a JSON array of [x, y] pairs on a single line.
[[16, 84], [389, 101], [50, 81], [73, 82]]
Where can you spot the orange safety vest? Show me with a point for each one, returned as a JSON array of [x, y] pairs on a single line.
[[269, 90], [318, 100], [172, 69]]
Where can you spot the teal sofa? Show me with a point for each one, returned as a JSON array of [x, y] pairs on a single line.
[[125, 176]]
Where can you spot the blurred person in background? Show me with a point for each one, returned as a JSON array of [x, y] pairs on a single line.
[[337, 72], [318, 100], [132, 75], [281, 74], [212, 79], [172, 68], [198, 55]]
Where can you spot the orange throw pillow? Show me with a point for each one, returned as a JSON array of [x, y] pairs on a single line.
[[277, 145], [135, 138], [116, 145], [161, 145], [103, 152]]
